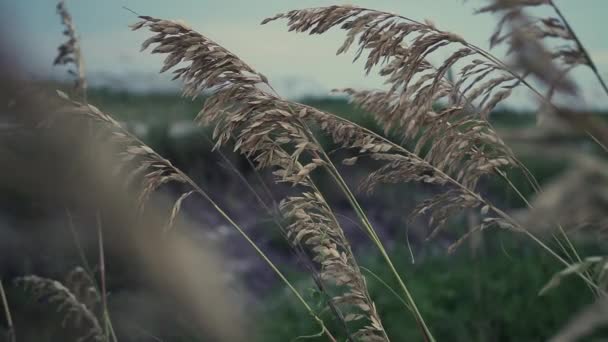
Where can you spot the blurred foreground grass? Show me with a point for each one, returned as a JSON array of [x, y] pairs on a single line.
[[490, 297]]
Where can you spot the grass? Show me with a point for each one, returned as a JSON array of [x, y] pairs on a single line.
[[429, 129], [489, 295]]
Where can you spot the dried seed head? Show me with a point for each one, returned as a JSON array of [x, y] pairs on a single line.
[[265, 127], [454, 145], [69, 52], [73, 311], [525, 37]]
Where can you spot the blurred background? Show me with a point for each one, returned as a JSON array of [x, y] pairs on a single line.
[[488, 290], [298, 64]]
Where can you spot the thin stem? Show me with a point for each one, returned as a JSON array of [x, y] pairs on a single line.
[[297, 249], [534, 238], [102, 276], [563, 248], [372, 232], [7, 314], [504, 67], [597, 141], [202, 193], [512, 186], [581, 47], [468, 191], [335, 174], [560, 228], [335, 219], [516, 225], [262, 183], [85, 263], [258, 250], [576, 254], [245, 182], [388, 287], [76, 238]]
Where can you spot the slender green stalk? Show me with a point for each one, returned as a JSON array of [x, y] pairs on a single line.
[[242, 178], [275, 205], [202, 193], [560, 228], [452, 181], [297, 249], [376, 240], [563, 248], [388, 287], [530, 206], [7, 314], [597, 141], [518, 227], [89, 270], [76, 238], [263, 255], [349, 250], [534, 238], [335, 174], [102, 275]]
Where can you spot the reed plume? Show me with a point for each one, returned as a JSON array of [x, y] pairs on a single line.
[[70, 53], [140, 163], [529, 37], [548, 48], [74, 311], [447, 121], [84, 289], [275, 134]]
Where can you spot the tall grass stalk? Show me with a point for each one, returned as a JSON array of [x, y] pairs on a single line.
[[335, 174], [108, 326], [102, 277], [7, 314], [263, 255], [125, 136]]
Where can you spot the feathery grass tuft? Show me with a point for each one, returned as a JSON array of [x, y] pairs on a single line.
[[73, 310]]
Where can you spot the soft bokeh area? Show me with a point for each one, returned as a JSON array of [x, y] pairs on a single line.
[[298, 65]]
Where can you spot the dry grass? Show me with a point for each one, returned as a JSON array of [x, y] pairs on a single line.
[[68, 305], [7, 314], [264, 136], [445, 119], [243, 106], [166, 260], [463, 145], [70, 52]]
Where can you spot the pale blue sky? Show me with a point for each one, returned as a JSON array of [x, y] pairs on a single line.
[[298, 64]]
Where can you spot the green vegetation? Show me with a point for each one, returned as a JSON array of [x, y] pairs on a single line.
[[487, 295]]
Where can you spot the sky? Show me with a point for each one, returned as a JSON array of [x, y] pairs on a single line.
[[297, 64]]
